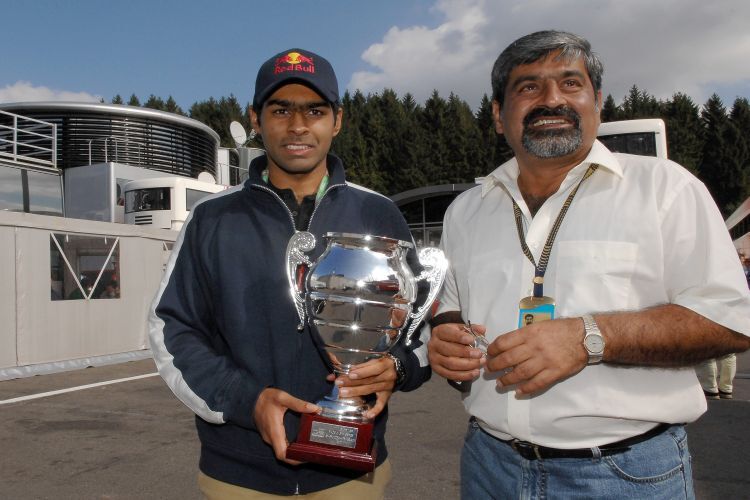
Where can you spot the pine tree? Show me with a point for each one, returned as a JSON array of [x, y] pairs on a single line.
[[723, 157], [410, 172], [684, 131], [496, 148], [218, 115], [133, 101], [350, 144], [740, 116], [435, 126], [464, 159], [117, 99], [610, 111], [172, 106], [154, 102], [639, 104]]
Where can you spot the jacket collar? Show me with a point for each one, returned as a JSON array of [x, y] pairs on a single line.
[[336, 174]]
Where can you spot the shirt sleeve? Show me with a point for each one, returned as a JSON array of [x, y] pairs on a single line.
[[702, 270], [184, 341], [448, 298]]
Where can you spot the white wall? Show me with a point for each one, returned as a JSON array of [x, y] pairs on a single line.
[[7, 291], [41, 330]]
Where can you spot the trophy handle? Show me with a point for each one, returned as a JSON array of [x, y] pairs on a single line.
[[299, 243], [435, 266]]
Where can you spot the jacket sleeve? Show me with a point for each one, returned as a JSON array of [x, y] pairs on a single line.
[[184, 339]]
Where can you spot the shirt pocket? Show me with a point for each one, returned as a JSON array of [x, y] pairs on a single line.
[[594, 275]]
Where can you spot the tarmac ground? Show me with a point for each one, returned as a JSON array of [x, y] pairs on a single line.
[[132, 439]]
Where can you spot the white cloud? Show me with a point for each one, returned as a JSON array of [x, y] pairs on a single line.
[[25, 91], [690, 46]]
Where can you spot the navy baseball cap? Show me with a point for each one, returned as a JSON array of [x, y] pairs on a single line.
[[296, 66]]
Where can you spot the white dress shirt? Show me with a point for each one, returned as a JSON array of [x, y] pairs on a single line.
[[641, 232]]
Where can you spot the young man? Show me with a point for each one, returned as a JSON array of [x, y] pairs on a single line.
[[591, 403], [224, 326]]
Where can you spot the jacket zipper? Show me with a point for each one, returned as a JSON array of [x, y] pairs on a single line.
[[309, 223], [294, 228], [291, 217]]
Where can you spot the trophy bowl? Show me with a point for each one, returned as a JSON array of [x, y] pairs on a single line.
[[358, 297]]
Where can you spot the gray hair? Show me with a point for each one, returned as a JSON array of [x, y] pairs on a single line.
[[536, 46]]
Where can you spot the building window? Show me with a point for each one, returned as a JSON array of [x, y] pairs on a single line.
[[84, 267], [45, 193], [23, 190], [11, 189]]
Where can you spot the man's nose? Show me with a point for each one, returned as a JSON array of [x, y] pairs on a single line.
[[552, 96], [297, 122]]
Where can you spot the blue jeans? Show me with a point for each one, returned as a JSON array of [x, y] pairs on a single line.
[[656, 469]]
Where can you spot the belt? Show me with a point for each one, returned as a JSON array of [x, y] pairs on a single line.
[[531, 451]]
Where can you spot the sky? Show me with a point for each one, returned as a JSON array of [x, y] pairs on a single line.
[[84, 50]]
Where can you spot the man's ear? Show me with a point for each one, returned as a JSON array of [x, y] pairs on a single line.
[[339, 118], [255, 120], [497, 117]]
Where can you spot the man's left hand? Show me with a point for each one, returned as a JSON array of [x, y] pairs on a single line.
[[538, 355], [376, 376]]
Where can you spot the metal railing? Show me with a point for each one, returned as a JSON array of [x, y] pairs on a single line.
[[116, 141], [28, 142]]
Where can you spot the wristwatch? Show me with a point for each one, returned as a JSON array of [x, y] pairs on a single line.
[[593, 341], [399, 366]]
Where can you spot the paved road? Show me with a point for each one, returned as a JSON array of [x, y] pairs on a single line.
[[134, 440]]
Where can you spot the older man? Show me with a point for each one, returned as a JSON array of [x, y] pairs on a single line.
[[628, 271]]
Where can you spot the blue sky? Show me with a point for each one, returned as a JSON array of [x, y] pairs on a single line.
[[193, 50]]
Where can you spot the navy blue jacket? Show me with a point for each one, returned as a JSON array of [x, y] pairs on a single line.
[[223, 325]]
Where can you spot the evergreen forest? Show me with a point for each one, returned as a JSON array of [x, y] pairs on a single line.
[[391, 143]]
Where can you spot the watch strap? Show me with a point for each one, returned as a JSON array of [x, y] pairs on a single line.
[[399, 366], [591, 329]]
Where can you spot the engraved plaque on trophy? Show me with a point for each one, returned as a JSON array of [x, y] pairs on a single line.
[[358, 297]]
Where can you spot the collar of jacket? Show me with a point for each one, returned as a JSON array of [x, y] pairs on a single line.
[[335, 166]]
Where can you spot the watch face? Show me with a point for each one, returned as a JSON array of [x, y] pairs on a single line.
[[594, 344]]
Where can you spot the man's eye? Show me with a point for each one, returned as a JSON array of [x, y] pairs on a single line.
[[529, 87], [571, 83], [315, 112], [280, 112]]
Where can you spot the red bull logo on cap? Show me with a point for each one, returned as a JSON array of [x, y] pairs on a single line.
[[294, 61]]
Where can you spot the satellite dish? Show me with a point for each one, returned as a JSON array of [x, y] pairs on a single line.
[[206, 177], [238, 133]]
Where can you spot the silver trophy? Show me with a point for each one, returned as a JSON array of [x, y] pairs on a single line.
[[359, 297]]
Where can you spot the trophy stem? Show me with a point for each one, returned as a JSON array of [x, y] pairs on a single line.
[[351, 409]]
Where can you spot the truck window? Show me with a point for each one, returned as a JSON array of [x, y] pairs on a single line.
[[640, 143], [141, 200]]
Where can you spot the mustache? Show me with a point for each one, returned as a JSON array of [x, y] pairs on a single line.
[[544, 111]]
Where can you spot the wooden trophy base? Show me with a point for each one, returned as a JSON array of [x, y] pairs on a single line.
[[333, 442]]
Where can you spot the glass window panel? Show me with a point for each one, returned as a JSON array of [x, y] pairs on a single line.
[[412, 212], [642, 143], [418, 235], [141, 200], [87, 258], [433, 236], [436, 206], [11, 189], [192, 196], [45, 193]]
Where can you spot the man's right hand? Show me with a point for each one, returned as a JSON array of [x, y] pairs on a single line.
[[451, 353], [270, 408]]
